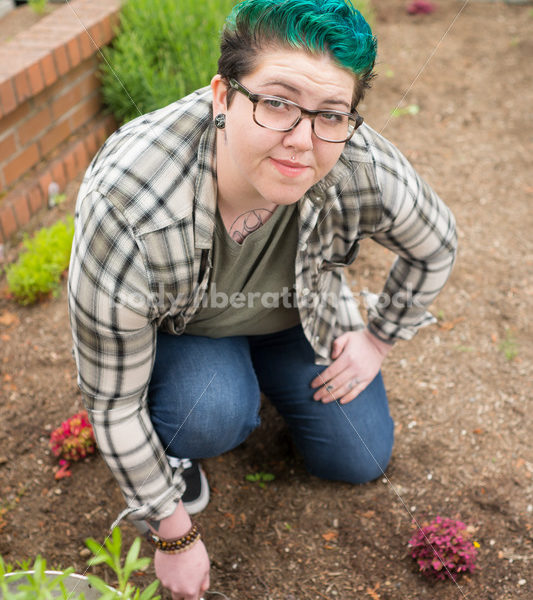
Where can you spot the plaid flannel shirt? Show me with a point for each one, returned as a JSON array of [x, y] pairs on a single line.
[[141, 261]]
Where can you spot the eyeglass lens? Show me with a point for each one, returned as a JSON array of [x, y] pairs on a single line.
[[275, 114]]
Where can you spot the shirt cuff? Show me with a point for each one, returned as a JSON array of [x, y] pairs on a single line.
[[157, 509]]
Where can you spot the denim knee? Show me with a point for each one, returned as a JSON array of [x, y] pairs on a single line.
[[374, 467], [208, 426], [350, 469], [357, 464], [203, 395]]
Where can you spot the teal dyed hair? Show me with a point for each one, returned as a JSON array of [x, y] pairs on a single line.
[[318, 26]]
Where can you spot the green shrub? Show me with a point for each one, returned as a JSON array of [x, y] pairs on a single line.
[[165, 50], [38, 269]]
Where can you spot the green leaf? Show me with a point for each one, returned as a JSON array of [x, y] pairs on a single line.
[[58, 580], [114, 543], [140, 564], [110, 595], [133, 552], [99, 584], [132, 564], [101, 558], [93, 546], [148, 593]]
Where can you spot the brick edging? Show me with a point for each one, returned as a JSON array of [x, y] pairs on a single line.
[[35, 59], [17, 208], [51, 111]]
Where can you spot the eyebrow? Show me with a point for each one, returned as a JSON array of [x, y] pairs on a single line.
[[296, 91]]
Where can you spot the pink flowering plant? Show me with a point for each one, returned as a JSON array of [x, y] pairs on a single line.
[[442, 549], [72, 441], [420, 7]]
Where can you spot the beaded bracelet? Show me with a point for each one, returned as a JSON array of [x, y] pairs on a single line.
[[185, 542]]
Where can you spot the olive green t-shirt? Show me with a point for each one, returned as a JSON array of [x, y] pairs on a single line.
[[251, 288]]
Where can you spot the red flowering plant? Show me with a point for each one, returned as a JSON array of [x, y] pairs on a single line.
[[72, 441], [420, 7], [443, 550]]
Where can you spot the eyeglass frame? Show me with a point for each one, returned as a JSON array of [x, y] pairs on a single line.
[[312, 114]]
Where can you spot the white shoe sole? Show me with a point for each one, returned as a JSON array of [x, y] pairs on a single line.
[[198, 505], [192, 508]]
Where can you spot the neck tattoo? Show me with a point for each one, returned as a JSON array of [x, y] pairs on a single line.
[[248, 222]]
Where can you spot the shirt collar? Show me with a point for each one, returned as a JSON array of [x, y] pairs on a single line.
[[205, 191]]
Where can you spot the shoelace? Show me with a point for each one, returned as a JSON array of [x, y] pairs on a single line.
[[175, 463]]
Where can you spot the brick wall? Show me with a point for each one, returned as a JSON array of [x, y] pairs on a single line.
[[51, 115]]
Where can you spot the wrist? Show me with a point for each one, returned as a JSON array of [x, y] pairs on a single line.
[[174, 526], [384, 347]]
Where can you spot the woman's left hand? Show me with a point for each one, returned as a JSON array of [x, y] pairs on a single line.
[[357, 358]]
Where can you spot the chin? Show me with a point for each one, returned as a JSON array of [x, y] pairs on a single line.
[[286, 195], [285, 199]]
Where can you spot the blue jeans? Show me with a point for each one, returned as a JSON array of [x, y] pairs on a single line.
[[204, 399]]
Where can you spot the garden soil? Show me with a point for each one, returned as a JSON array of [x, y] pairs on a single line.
[[460, 391]]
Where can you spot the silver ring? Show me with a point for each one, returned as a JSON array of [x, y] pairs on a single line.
[[353, 383]]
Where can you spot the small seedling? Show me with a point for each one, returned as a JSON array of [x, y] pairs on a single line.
[[38, 6], [38, 585], [412, 109], [109, 553], [260, 478], [55, 198], [388, 71], [508, 345], [32, 585], [465, 349]]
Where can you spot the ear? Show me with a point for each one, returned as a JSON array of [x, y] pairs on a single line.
[[220, 92]]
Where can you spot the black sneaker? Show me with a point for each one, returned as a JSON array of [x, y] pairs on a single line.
[[196, 496]]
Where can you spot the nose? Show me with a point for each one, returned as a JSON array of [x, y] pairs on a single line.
[[301, 137]]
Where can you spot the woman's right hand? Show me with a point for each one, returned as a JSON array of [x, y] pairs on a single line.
[[186, 574]]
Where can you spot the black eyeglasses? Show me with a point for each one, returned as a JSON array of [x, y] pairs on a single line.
[[280, 114]]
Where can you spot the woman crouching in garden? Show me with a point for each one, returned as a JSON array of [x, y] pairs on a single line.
[[207, 267]]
